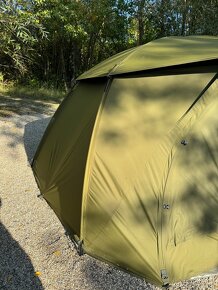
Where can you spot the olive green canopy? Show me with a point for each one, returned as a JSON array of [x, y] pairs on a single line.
[[129, 162]]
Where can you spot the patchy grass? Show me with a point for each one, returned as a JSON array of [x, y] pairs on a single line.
[[21, 100], [32, 92]]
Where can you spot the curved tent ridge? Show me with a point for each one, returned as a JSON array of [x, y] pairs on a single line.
[[160, 53], [105, 67]]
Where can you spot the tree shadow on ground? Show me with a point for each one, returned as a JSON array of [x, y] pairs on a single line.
[[12, 106], [33, 133], [17, 106], [16, 112], [16, 269]]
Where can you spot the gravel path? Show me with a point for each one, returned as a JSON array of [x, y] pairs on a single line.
[[34, 251]]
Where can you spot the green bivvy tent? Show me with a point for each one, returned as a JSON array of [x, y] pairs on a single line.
[[129, 162]]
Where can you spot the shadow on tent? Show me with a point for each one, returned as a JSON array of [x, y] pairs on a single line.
[[16, 269]]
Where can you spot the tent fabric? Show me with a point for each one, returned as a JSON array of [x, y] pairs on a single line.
[[60, 162], [164, 52], [129, 174], [129, 165]]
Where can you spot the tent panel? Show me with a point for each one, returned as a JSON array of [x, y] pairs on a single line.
[[194, 257], [191, 191], [160, 53], [131, 152], [60, 163], [170, 51]]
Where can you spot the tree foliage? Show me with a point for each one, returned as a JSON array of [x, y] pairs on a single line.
[[55, 41], [19, 33]]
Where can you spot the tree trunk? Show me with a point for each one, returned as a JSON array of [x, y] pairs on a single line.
[[184, 18], [141, 5], [63, 68]]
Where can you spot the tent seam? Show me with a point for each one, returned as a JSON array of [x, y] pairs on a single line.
[[128, 56], [90, 155]]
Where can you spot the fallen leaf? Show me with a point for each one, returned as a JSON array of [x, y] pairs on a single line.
[[37, 273], [57, 253]]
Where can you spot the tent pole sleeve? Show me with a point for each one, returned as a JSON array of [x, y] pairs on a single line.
[[90, 154]]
